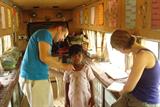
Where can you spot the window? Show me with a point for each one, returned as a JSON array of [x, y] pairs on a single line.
[[152, 45], [7, 42], [99, 44], [114, 54], [92, 43]]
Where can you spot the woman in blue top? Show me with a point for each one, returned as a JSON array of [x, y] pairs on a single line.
[[34, 67], [142, 86]]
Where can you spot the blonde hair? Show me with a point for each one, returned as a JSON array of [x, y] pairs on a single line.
[[122, 39]]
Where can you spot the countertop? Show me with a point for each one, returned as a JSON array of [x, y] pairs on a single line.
[[9, 82], [10, 79]]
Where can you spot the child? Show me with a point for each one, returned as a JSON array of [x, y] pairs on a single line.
[[78, 83]]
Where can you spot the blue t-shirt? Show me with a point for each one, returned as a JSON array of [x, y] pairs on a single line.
[[32, 67]]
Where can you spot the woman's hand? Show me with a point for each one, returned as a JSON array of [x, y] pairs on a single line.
[[68, 67]]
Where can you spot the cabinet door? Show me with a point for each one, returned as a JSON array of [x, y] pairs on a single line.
[[103, 97], [148, 18], [143, 14], [98, 92], [150, 15]]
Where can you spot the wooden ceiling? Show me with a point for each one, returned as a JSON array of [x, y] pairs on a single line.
[[60, 4]]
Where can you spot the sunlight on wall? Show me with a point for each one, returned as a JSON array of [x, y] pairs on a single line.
[[152, 45]]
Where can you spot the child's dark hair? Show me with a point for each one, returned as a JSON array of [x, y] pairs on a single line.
[[75, 49]]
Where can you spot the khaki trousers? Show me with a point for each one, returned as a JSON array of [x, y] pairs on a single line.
[[38, 92], [128, 100]]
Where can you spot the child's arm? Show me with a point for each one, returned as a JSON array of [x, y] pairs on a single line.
[[67, 103], [91, 101]]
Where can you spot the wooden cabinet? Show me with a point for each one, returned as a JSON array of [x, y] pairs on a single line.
[[109, 98], [140, 17], [103, 97]]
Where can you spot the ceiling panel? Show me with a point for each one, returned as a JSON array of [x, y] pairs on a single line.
[[62, 4]]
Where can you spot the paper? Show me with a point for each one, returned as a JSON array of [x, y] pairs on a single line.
[[116, 73], [116, 86], [113, 72]]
